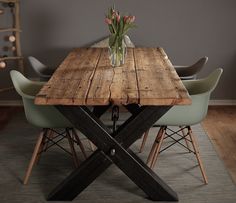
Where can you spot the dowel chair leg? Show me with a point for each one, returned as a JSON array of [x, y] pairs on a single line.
[[155, 143], [154, 146], [158, 147], [41, 147], [44, 144], [79, 143], [196, 150], [34, 156], [185, 138], [73, 152], [144, 141]]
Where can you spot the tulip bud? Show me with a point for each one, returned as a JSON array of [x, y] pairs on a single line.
[[108, 21], [118, 18], [132, 19], [126, 18]]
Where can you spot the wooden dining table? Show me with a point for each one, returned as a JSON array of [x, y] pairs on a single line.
[[147, 85]]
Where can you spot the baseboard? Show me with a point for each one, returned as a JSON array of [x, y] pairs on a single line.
[[222, 102], [211, 103], [11, 103]]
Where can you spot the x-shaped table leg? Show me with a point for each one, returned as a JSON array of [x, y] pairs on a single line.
[[113, 148]]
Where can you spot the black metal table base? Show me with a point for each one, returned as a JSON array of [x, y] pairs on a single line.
[[113, 147]]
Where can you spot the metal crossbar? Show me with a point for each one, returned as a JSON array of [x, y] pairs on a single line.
[[182, 137], [53, 142]]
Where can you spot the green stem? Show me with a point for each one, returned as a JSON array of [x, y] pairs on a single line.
[[113, 28]]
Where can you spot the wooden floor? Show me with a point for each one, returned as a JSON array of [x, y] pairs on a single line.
[[220, 125], [6, 114]]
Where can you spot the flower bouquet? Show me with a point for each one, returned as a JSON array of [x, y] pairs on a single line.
[[118, 26]]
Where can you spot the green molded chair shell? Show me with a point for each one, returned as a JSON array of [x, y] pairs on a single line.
[[40, 116], [200, 91]]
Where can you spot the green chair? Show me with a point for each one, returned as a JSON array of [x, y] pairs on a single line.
[[183, 117], [185, 73], [55, 126]]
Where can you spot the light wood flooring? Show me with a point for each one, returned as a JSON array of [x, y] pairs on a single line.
[[220, 125]]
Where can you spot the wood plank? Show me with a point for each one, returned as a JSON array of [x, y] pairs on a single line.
[[86, 77], [99, 91], [124, 89], [158, 82], [71, 81], [116, 85]]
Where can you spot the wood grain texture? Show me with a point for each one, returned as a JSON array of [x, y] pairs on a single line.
[[86, 77], [221, 129]]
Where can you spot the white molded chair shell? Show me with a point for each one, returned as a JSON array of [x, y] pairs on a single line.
[[40, 116], [200, 91]]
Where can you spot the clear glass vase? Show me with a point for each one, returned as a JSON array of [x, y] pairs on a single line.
[[117, 53]]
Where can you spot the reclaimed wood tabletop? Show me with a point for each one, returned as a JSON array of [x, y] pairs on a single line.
[[86, 77]]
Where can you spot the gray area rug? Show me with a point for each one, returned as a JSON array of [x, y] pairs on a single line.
[[175, 166]]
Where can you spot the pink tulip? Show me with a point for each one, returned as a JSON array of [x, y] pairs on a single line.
[[108, 21], [126, 18], [129, 19], [118, 18], [132, 19]]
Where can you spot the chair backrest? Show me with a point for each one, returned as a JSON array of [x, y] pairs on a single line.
[[23, 86], [40, 116], [38, 67], [195, 68], [200, 91], [189, 72], [204, 86]]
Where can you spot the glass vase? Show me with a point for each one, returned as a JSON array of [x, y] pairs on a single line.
[[117, 53]]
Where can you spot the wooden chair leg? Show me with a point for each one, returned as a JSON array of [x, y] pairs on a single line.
[[185, 138], [44, 144], [155, 143], [154, 146], [79, 143], [71, 144], [34, 156], [158, 147], [144, 141], [194, 143]]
